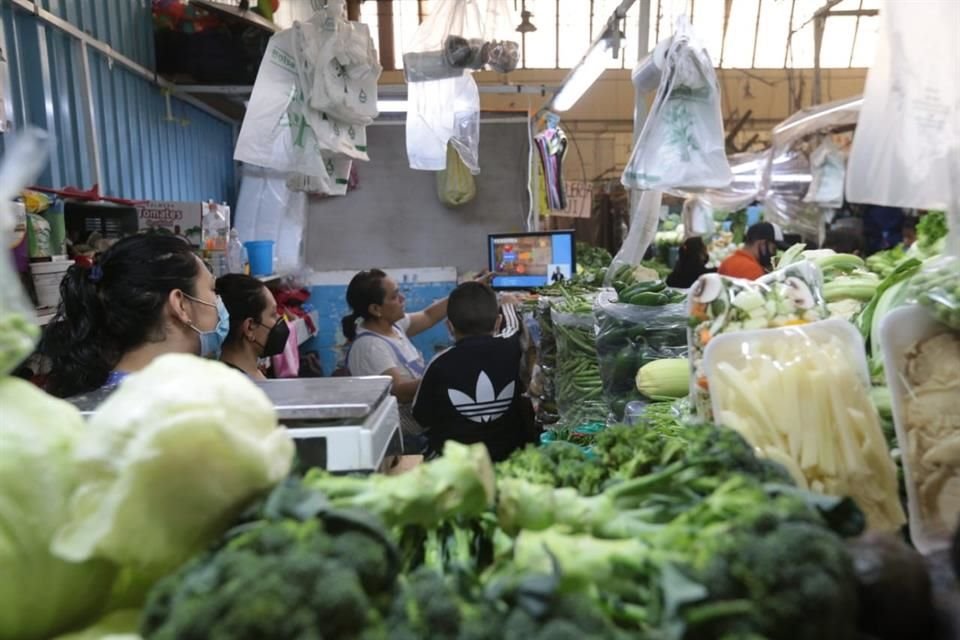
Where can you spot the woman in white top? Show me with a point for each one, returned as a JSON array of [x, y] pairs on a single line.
[[379, 330]]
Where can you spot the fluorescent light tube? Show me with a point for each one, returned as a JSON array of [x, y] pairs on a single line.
[[582, 77]]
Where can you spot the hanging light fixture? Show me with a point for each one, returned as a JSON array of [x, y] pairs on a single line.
[[587, 71], [525, 25]]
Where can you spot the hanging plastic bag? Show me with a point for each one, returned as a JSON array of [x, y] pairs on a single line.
[[644, 218], [909, 126], [682, 144], [23, 161], [827, 169], [697, 216], [268, 210], [341, 64], [334, 183], [455, 184], [454, 39], [439, 112]]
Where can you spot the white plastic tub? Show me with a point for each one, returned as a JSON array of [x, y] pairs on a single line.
[[46, 280], [900, 331]]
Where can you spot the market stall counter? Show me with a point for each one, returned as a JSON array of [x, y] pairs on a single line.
[[338, 424]]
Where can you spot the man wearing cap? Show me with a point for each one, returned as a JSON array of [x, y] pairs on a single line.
[[756, 256]]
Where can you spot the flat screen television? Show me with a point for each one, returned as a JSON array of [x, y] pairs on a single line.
[[530, 260]]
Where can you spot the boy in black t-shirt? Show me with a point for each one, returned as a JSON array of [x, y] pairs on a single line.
[[472, 391]]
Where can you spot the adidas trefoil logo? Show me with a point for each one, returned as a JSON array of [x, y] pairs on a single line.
[[488, 405]]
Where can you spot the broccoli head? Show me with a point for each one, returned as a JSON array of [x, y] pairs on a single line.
[[281, 580], [558, 464], [792, 580]]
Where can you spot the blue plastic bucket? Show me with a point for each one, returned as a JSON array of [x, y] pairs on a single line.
[[260, 254]]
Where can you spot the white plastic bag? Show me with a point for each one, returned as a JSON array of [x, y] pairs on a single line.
[[697, 216], [909, 123], [281, 132], [682, 142], [827, 170], [644, 218], [441, 111], [268, 210], [341, 67]]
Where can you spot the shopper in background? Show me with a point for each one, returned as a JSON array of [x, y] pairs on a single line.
[[909, 232], [257, 329], [473, 391], [146, 296], [844, 241], [691, 264], [756, 257], [379, 331]]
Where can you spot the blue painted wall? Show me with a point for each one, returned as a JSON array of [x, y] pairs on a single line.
[[144, 155]]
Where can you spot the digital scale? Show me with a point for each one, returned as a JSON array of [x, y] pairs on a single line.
[[338, 424]]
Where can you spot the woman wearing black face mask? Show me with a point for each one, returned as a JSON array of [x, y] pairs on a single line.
[[256, 328]]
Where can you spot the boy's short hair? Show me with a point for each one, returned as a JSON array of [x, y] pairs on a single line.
[[473, 309]]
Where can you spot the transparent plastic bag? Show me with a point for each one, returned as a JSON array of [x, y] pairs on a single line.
[[455, 184], [441, 112], [719, 305], [25, 157], [630, 336], [936, 287], [578, 386], [682, 144], [455, 38], [801, 397], [909, 127], [827, 169], [546, 367], [644, 218]]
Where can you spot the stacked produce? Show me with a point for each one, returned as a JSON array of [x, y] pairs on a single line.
[[95, 513], [798, 397], [848, 284], [892, 292], [544, 379], [789, 296], [578, 384], [631, 335]]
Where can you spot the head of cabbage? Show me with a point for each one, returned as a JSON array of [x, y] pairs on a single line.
[[41, 595]]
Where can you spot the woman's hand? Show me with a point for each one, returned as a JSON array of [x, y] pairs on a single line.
[[485, 277]]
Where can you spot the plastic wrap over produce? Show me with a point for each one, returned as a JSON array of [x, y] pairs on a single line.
[[719, 305], [578, 386], [644, 219], [23, 161], [630, 336], [801, 397]]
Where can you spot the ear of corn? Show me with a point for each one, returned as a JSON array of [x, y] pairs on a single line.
[[666, 379]]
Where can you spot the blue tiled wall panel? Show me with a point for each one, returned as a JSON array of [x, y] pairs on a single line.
[[145, 153]]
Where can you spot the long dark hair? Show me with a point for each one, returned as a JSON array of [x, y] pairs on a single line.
[[365, 289], [113, 307], [244, 297]]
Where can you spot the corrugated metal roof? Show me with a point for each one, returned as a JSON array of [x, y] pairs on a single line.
[[144, 153]]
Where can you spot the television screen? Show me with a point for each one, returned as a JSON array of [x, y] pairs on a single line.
[[530, 260]]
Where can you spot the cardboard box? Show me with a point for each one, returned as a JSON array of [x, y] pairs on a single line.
[[179, 218]]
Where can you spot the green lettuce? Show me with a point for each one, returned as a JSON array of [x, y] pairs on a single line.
[[167, 462], [41, 595]]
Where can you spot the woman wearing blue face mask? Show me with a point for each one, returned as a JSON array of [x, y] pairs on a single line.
[[146, 296]]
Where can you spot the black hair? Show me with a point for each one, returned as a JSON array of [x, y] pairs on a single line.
[[472, 309], [113, 307], [365, 289], [244, 297], [843, 241], [693, 252]]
